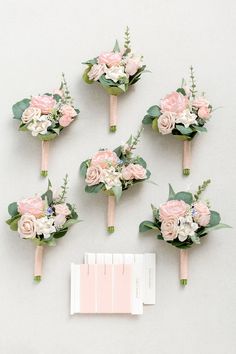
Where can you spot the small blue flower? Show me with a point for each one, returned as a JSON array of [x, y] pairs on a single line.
[[49, 211]]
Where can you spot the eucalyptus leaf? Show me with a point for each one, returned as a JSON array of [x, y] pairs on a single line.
[[60, 233], [199, 128], [181, 90], [94, 189], [187, 197], [215, 218], [117, 190], [141, 161], [216, 227], [70, 222], [83, 168], [116, 47], [183, 130], [171, 193], [13, 209], [154, 111], [147, 225], [47, 137], [19, 107], [147, 119]]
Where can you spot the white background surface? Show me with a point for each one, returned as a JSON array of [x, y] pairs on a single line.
[[38, 41]]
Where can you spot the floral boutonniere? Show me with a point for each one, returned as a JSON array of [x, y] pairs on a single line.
[[182, 221], [42, 219], [45, 116], [113, 172], [115, 71], [182, 113]]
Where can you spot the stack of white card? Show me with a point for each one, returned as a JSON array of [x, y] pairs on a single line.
[[138, 282]]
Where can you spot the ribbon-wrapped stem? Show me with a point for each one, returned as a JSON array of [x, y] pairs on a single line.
[[186, 157], [111, 204], [183, 266], [113, 113], [38, 263], [45, 153]]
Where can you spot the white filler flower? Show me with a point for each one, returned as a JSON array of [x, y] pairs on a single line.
[[44, 226], [186, 227]]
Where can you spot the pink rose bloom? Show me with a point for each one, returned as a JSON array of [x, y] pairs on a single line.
[[97, 70], [27, 226], [65, 120], [94, 175], [62, 209], [202, 214], [133, 171], [59, 220], [169, 228], [204, 112], [45, 103], [200, 102], [110, 58], [174, 102], [173, 209], [68, 110], [33, 206], [166, 122], [104, 159]]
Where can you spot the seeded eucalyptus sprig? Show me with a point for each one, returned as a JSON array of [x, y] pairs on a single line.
[[127, 40], [64, 189], [65, 89], [193, 82], [135, 139], [201, 189]]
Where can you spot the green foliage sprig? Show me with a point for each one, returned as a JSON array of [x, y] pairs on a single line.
[[201, 189]]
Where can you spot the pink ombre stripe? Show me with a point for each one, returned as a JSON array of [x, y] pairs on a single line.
[[104, 288], [122, 288], [87, 288]]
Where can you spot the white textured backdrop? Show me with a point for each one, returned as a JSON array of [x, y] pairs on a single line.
[[38, 41]]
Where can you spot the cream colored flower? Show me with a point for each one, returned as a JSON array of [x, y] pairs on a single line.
[[39, 126], [29, 114], [115, 73], [27, 226], [186, 228], [186, 118], [45, 227], [111, 178]]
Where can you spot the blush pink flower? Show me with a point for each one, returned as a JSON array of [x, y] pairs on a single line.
[[94, 175], [68, 110], [133, 64], [96, 71], [59, 220], [169, 228], [62, 209], [173, 209], [133, 171], [200, 102], [44, 102], [110, 58], [202, 214], [27, 226], [65, 120], [104, 159], [204, 112], [166, 122], [174, 102], [33, 206]]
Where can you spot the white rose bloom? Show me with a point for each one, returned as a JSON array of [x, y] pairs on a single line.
[[111, 178], [39, 126], [115, 73], [45, 227], [186, 227], [29, 114], [186, 118]]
